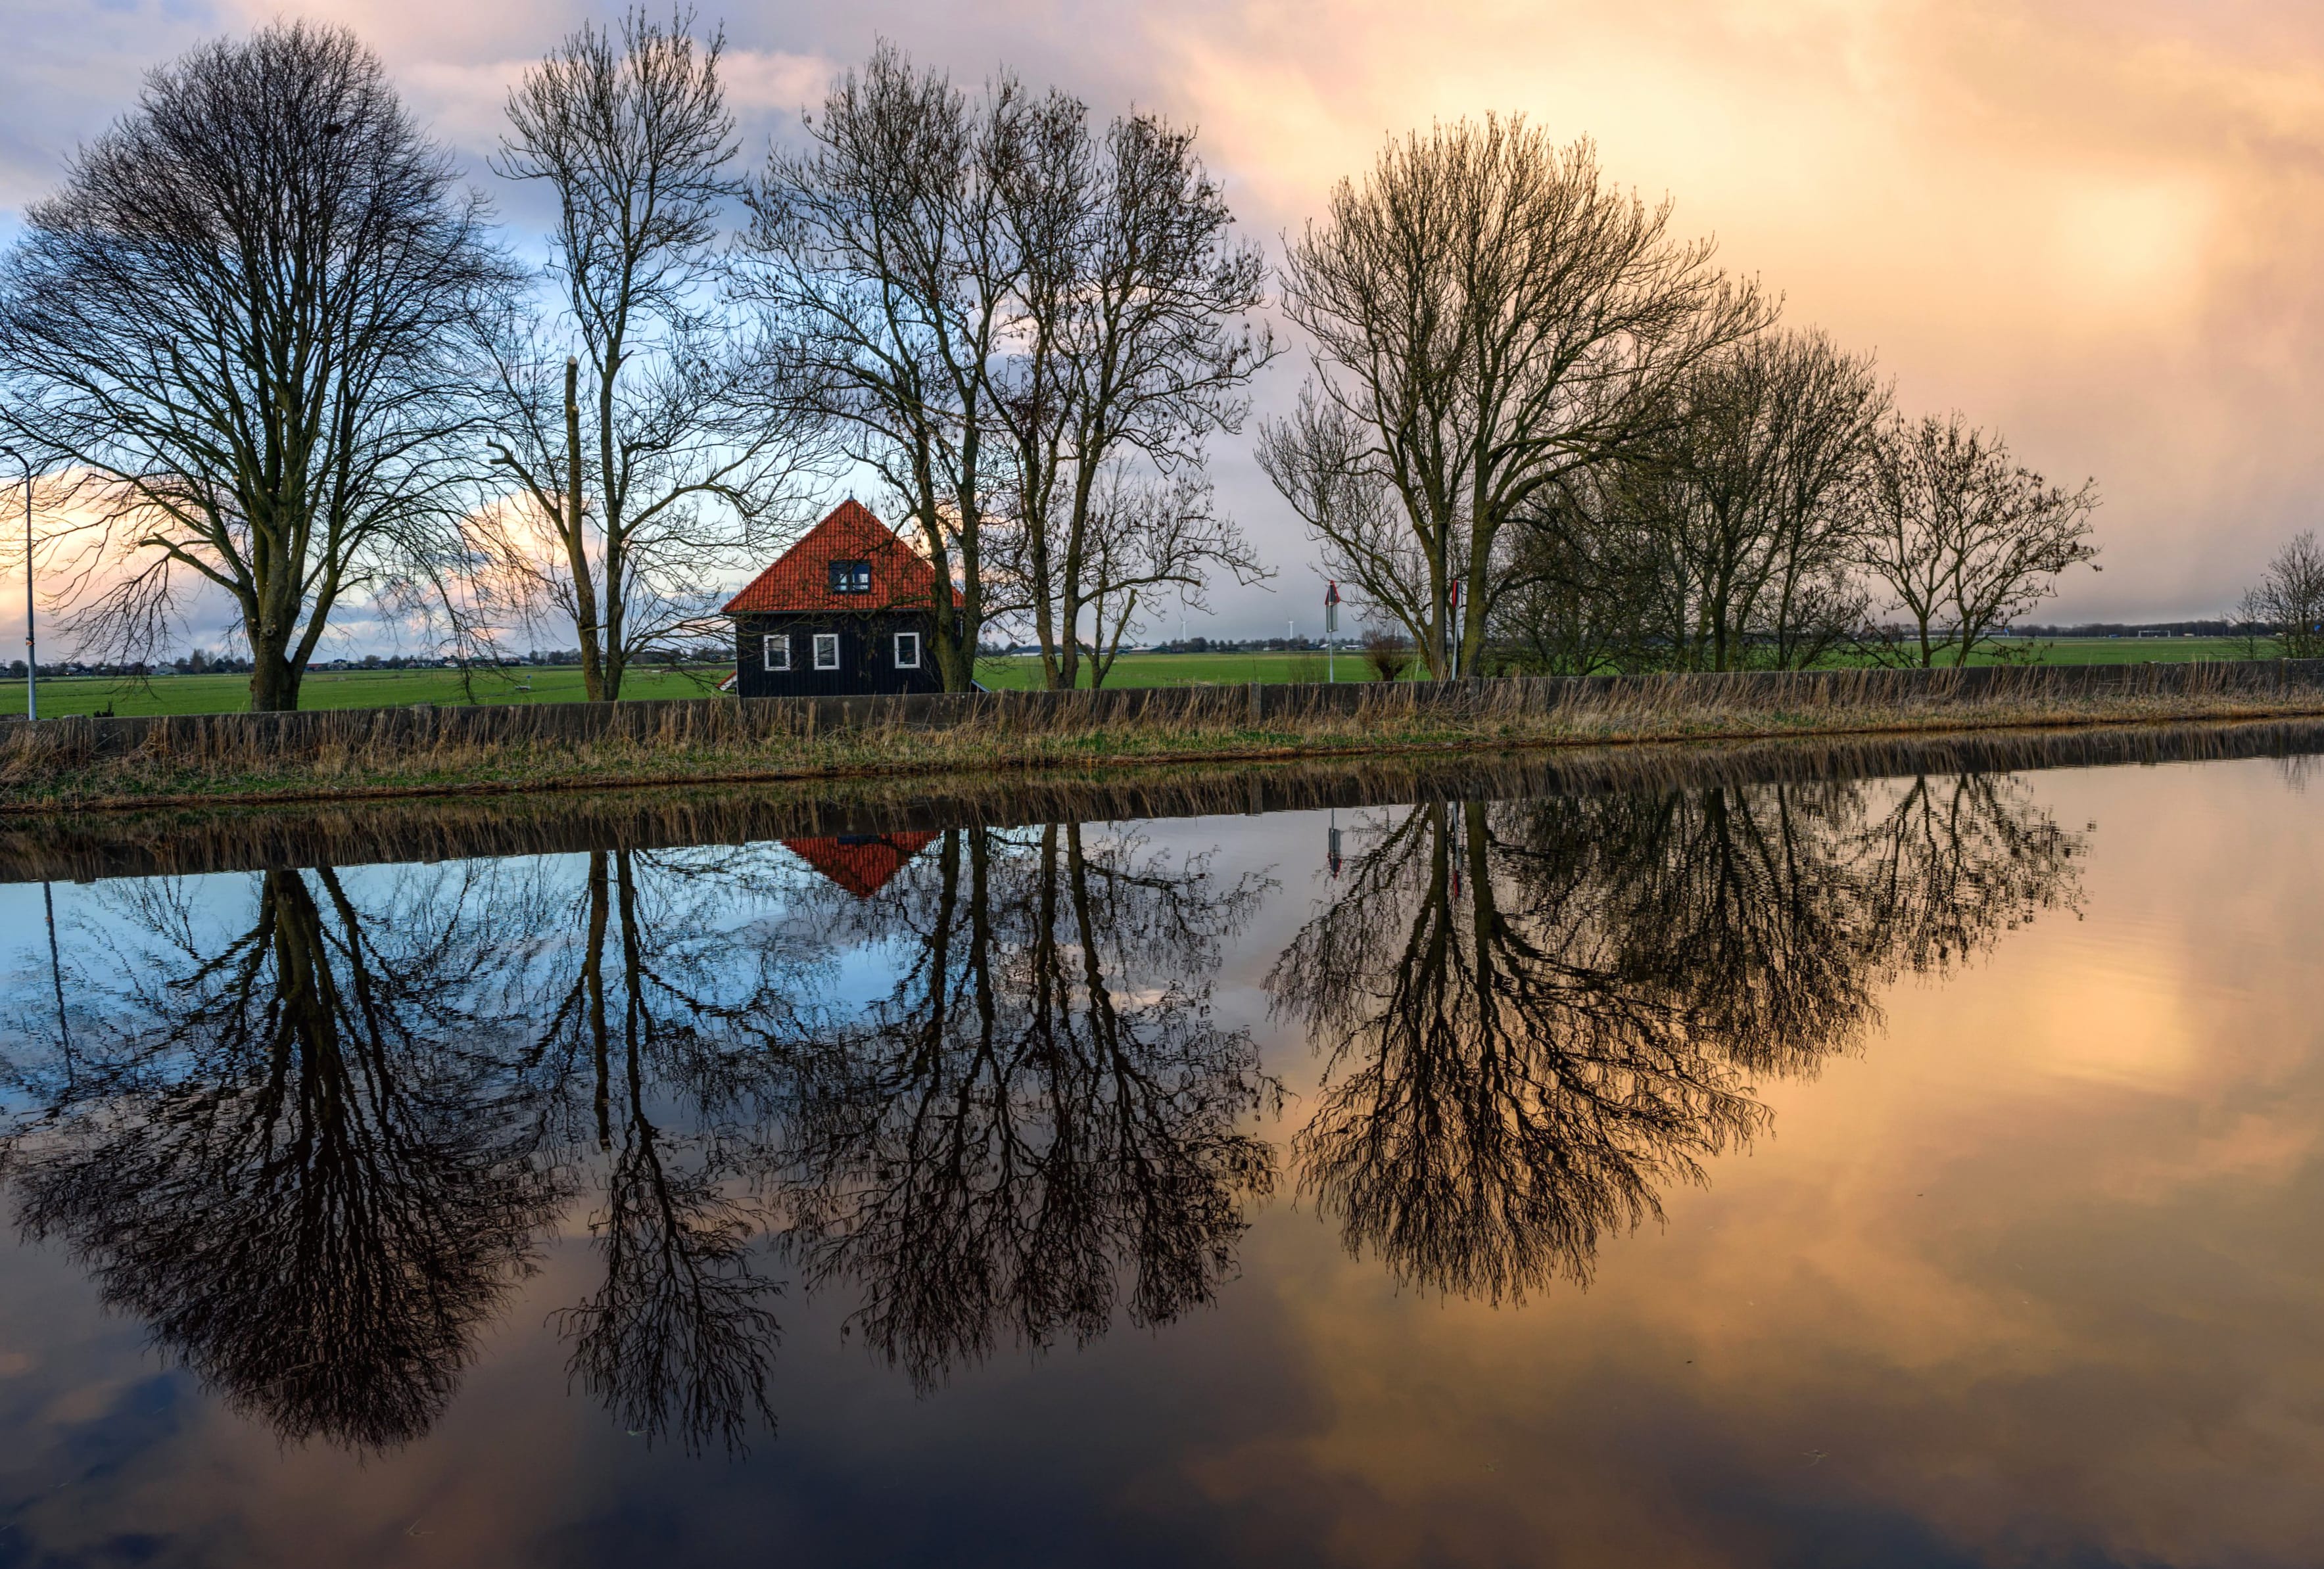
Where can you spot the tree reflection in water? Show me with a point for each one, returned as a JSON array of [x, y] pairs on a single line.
[[1041, 1104], [657, 1013], [1538, 1014], [314, 1148], [297, 1154]]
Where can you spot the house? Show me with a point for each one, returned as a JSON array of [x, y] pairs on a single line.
[[849, 609]]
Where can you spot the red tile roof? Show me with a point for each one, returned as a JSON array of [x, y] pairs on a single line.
[[801, 579], [862, 866]]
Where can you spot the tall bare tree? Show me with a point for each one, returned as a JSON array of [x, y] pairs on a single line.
[[1487, 315], [245, 320], [1131, 344], [1754, 502], [1138, 536], [1963, 539], [1586, 585], [2286, 607], [887, 244], [663, 451]]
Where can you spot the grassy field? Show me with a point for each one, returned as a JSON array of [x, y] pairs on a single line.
[[1187, 670], [383, 688], [62, 696], [2133, 650], [333, 689]]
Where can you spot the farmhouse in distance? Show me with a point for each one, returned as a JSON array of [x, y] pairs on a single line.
[[846, 611]]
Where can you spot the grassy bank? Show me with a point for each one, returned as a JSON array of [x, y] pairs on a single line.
[[85, 764], [197, 839], [359, 689]]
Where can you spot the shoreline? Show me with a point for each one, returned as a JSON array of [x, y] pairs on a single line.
[[354, 756], [214, 836]]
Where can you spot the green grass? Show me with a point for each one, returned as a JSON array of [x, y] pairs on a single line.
[[67, 695], [334, 689], [2133, 650], [1186, 669], [562, 684]]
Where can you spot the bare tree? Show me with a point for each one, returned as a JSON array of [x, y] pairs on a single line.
[[1387, 652], [1964, 539], [1728, 539], [2285, 609], [1487, 315], [245, 321], [1131, 344], [677, 429], [1142, 536], [887, 243], [1760, 503], [1584, 586]]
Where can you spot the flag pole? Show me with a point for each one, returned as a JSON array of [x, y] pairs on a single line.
[[1331, 629]]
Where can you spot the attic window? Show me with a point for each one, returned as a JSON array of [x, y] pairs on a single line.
[[851, 578]]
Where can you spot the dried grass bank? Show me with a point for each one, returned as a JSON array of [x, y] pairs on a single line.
[[85, 764], [190, 839]]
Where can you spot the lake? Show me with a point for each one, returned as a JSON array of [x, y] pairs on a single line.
[[1900, 1155]]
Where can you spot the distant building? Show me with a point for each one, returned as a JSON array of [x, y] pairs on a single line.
[[848, 610]]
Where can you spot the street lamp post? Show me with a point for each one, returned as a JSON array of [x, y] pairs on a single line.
[[32, 652]]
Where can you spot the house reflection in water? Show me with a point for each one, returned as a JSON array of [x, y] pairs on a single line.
[[862, 864]]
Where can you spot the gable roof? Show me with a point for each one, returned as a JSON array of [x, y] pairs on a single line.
[[801, 578], [861, 865]]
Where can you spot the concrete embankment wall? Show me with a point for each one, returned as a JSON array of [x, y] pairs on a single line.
[[725, 722]]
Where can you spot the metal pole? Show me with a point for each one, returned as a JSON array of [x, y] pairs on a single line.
[[57, 978], [1330, 631], [31, 650]]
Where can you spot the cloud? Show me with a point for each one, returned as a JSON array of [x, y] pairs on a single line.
[[2091, 223]]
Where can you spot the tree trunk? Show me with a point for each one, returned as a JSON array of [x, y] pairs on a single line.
[[273, 679], [593, 977], [585, 594], [274, 669], [1432, 641], [1045, 619], [614, 525]]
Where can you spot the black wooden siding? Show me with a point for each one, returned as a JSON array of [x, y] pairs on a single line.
[[867, 654]]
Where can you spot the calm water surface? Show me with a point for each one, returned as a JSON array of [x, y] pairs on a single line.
[[1919, 1170]]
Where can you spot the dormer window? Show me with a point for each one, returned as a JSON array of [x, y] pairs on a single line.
[[851, 577]]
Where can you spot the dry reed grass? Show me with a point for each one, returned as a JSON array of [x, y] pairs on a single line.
[[83, 764], [186, 840]]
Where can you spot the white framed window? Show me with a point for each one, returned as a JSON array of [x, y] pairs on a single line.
[[777, 652], [907, 651], [826, 651]]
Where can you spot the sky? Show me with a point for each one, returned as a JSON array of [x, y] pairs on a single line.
[[2092, 225]]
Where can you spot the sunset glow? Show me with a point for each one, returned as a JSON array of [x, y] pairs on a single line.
[[2090, 226]]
